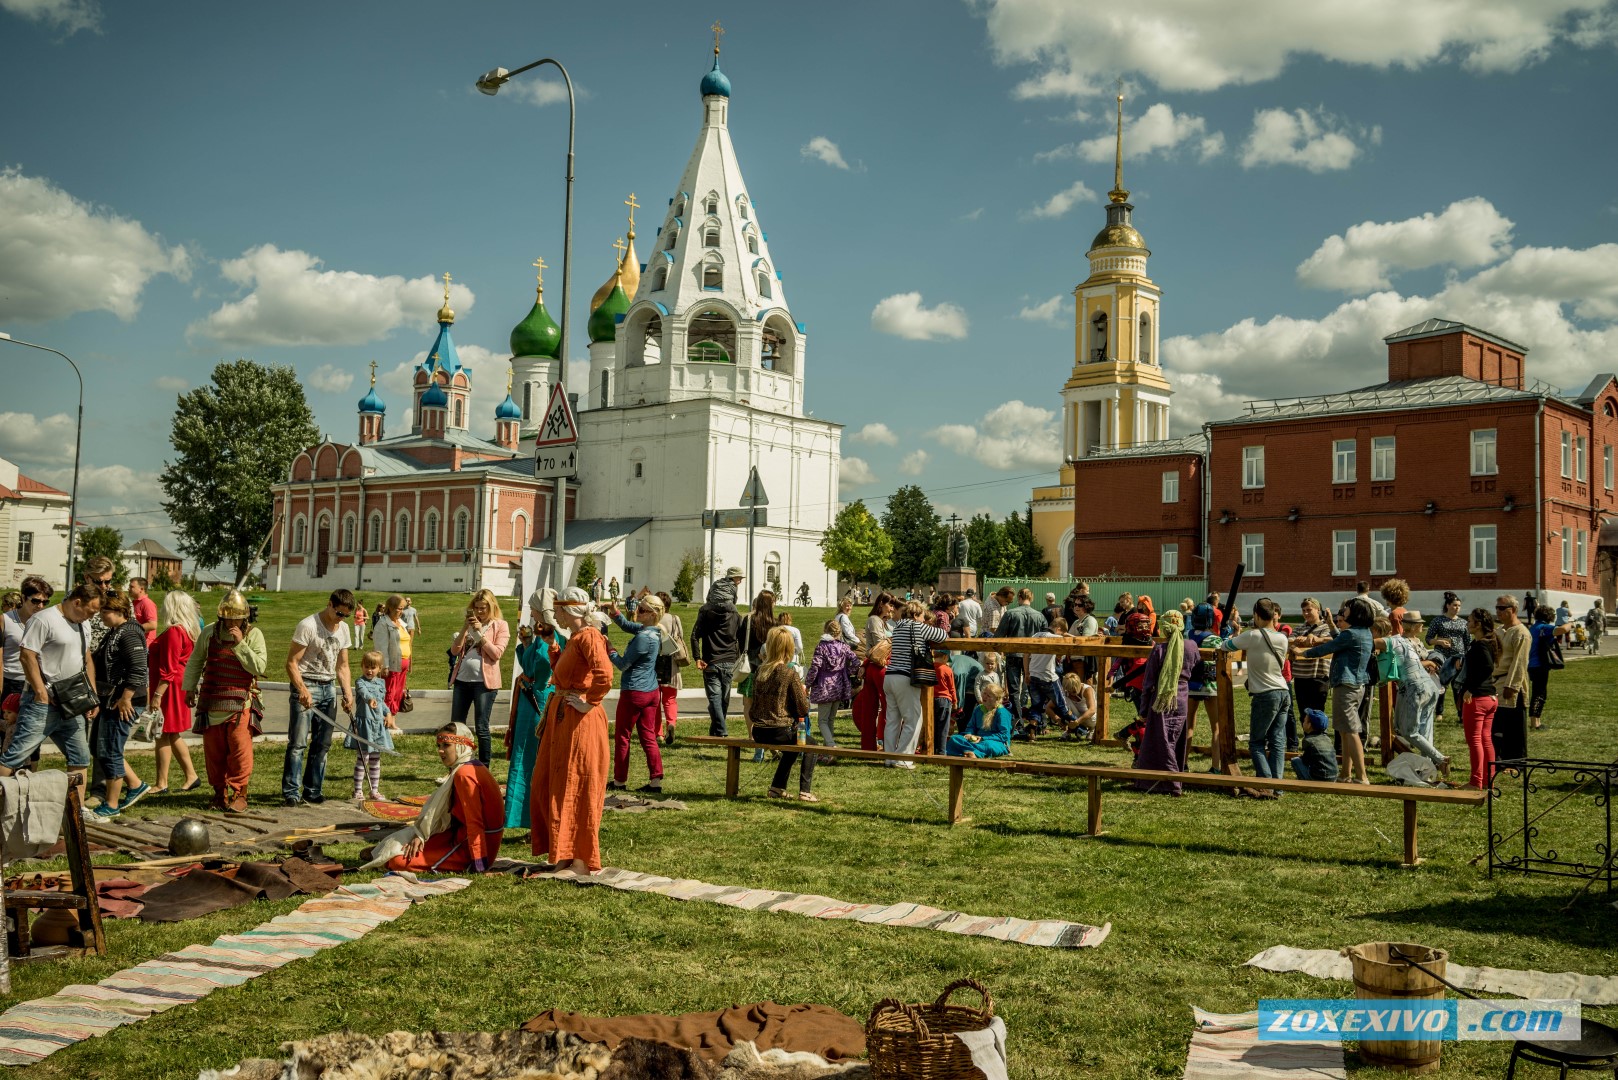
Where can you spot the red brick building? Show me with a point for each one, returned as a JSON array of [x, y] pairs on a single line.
[[1141, 511], [1459, 473]]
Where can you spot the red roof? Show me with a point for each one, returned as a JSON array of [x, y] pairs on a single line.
[[29, 485]]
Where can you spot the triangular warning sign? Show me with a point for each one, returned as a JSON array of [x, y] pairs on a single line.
[[557, 427]]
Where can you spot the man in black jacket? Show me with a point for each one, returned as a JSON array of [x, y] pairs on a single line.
[[716, 635]]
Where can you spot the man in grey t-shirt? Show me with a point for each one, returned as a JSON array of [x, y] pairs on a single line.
[[317, 668]]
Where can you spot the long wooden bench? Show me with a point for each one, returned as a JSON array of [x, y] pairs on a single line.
[[1095, 774]]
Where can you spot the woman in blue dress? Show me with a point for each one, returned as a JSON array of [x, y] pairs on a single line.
[[529, 693], [988, 733]]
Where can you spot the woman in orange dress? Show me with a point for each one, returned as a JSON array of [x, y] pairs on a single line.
[[574, 760], [460, 827]]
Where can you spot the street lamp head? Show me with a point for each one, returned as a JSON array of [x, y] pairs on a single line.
[[490, 82]]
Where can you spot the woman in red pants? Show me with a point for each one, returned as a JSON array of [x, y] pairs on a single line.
[[870, 706], [1478, 702]]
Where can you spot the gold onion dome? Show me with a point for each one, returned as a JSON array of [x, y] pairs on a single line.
[[627, 273], [446, 314], [1119, 234]]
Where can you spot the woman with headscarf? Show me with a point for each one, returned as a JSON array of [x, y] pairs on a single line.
[[460, 827], [574, 758], [537, 639], [1164, 690]]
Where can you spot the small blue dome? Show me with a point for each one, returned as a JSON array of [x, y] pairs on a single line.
[[434, 397], [507, 410], [715, 81], [370, 403]]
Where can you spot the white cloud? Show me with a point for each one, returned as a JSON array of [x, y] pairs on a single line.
[[1159, 128], [331, 379], [59, 255], [104, 482], [1467, 233], [397, 387], [972, 215], [854, 473], [1045, 311], [1211, 147], [824, 150], [68, 16], [913, 463], [1062, 201], [902, 315], [877, 434], [1075, 49], [172, 383], [1313, 141], [1010, 436], [540, 92], [294, 302], [32, 440]]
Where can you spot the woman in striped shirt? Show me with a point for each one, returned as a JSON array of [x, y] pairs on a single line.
[[904, 700]]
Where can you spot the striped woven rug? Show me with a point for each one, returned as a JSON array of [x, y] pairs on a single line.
[[1227, 1047], [36, 1029], [1050, 933]]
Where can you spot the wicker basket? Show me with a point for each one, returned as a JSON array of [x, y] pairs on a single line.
[[917, 1042]]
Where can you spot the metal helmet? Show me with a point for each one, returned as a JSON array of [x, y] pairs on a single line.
[[189, 837], [234, 606]]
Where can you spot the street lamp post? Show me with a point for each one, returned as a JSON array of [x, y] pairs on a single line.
[[490, 83], [78, 440]]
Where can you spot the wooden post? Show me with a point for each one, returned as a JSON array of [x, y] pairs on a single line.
[[80, 870], [733, 771], [957, 794], [1411, 858], [1222, 739], [1103, 701], [1094, 828], [1385, 706], [924, 744]]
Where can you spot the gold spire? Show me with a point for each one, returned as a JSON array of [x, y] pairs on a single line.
[[539, 275], [1118, 194], [510, 374], [629, 263], [607, 286], [446, 314], [718, 32], [373, 374], [633, 206]]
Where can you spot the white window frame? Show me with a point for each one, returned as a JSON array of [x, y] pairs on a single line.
[[1169, 561], [1581, 553], [1384, 551], [1485, 554], [1252, 467], [1485, 445], [1383, 463], [429, 531], [1567, 549], [1581, 459], [351, 531], [1606, 466], [25, 546], [1253, 554], [1171, 486], [1345, 558], [401, 531], [463, 530], [1344, 461], [1567, 455], [374, 531], [300, 534]]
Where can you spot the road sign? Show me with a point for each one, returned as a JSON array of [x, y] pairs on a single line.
[[557, 427], [753, 493], [735, 519], [556, 461]]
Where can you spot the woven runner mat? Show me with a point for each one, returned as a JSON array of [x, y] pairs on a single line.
[[1227, 1047], [1049, 933], [36, 1029], [1569, 985]]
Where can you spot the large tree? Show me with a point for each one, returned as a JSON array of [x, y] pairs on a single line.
[[103, 540], [1029, 556], [855, 546], [913, 526], [986, 542], [233, 439]]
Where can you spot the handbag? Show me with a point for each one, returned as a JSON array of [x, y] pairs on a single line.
[[922, 672], [1550, 653], [73, 694], [405, 704], [744, 665], [1389, 666]]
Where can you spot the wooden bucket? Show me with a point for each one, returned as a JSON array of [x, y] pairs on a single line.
[[1379, 975]]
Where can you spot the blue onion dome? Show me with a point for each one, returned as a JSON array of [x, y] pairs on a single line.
[[715, 81], [370, 403], [507, 409], [434, 397]]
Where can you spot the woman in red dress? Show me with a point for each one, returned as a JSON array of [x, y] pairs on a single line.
[[574, 759], [182, 624], [461, 825]]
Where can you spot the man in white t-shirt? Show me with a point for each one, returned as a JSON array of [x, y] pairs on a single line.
[[317, 668], [1266, 650], [55, 646], [971, 611]]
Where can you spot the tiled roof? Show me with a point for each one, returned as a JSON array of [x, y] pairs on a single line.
[[1189, 444], [152, 549], [29, 486], [1435, 327], [1383, 397]]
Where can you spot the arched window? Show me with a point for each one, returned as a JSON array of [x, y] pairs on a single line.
[[764, 284], [606, 388], [527, 399], [711, 338], [300, 535], [672, 238], [710, 205], [752, 242], [643, 331], [778, 345], [429, 531], [1145, 338], [401, 532], [463, 529], [350, 531], [1098, 336], [741, 206], [772, 572], [373, 535], [679, 207], [713, 275], [460, 413], [710, 234], [323, 532], [519, 530], [660, 279]]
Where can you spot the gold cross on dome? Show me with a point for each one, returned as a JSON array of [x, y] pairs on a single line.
[[718, 32], [373, 374], [510, 372], [446, 286], [619, 246], [633, 206], [539, 265]]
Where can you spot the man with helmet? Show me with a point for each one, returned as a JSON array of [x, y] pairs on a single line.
[[221, 685]]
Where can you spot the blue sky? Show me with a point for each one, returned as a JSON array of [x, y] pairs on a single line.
[[182, 183]]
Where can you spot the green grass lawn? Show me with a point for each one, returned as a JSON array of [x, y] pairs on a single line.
[[1192, 887], [441, 614]]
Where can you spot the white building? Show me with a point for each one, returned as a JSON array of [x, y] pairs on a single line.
[[33, 529], [697, 375]]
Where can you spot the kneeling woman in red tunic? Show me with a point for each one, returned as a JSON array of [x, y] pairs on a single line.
[[461, 825]]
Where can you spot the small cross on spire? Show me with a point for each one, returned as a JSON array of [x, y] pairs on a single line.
[[718, 32], [620, 247], [539, 273], [373, 374], [446, 286], [633, 206]]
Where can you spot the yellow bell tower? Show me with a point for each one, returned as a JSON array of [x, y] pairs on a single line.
[[1116, 396]]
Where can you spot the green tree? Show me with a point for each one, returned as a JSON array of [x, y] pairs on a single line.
[[991, 555], [1029, 557], [856, 546], [162, 580], [587, 573], [693, 564], [914, 527], [103, 540], [233, 439]]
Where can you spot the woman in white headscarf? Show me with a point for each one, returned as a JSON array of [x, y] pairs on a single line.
[[574, 759], [538, 641], [460, 827]]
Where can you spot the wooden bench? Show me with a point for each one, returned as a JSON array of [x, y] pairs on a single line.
[[86, 937], [1094, 774]]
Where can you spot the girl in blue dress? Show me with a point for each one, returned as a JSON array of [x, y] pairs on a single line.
[[988, 733]]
